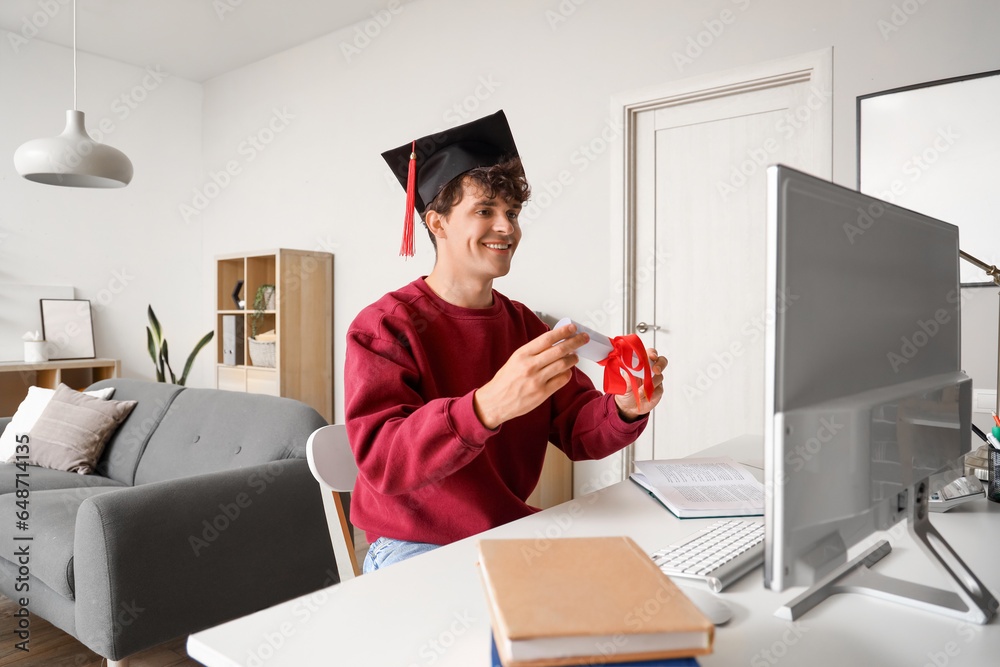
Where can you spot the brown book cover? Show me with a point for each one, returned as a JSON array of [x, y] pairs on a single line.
[[591, 599]]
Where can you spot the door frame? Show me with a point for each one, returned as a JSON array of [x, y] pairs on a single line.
[[815, 67]]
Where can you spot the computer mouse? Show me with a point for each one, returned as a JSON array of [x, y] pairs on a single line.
[[714, 608]]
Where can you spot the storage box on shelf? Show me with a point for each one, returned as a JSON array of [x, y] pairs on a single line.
[[301, 317]]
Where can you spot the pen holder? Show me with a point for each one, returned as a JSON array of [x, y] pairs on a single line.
[[993, 481], [993, 465], [34, 352]]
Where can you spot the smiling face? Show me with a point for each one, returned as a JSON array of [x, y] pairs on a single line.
[[477, 238]]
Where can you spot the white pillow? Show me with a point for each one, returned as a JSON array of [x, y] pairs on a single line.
[[29, 411]]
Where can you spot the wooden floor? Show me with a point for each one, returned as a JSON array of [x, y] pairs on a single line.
[[52, 647]]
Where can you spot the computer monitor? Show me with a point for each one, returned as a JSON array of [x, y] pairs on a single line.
[[865, 395]]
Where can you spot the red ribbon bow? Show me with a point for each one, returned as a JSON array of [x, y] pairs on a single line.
[[627, 348]]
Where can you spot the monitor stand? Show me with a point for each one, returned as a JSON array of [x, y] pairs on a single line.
[[970, 601]]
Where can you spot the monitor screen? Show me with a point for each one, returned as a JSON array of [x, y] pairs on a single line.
[[865, 395]]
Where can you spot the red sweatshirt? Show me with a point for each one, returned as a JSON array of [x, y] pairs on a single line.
[[429, 470]]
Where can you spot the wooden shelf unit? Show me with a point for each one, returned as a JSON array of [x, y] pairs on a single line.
[[17, 376], [302, 319]]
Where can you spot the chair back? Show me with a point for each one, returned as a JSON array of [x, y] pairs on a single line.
[[332, 464]]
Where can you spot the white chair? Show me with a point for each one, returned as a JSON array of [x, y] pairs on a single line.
[[332, 464]]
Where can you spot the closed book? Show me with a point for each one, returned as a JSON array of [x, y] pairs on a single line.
[[666, 662], [593, 600]]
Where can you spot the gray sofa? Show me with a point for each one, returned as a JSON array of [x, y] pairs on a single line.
[[202, 510]]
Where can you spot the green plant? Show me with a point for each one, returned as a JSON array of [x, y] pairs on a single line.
[[259, 306], [159, 352]]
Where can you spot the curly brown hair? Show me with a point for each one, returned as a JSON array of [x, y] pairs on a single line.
[[505, 179]]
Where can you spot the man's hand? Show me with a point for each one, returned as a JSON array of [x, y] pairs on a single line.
[[627, 408], [534, 372]]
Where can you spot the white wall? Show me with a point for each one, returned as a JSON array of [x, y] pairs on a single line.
[[121, 249], [339, 101], [552, 66]]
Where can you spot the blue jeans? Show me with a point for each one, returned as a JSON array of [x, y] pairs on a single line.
[[385, 551]]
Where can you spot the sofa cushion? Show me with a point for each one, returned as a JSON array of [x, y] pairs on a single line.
[[207, 430], [122, 453], [44, 479], [72, 430], [27, 414], [52, 524]]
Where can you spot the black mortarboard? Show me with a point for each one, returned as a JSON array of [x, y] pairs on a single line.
[[426, 165]]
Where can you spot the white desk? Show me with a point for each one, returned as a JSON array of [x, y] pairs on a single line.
[[431, 610]]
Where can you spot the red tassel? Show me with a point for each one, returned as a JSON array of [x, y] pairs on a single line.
[[406, 249]]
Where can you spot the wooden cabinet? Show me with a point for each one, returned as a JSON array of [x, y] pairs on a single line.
[[17, 376], [302, 318]]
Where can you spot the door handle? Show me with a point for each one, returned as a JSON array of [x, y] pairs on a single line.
[[642, 327]]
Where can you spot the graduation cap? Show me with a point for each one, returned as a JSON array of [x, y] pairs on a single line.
[[424, 166]]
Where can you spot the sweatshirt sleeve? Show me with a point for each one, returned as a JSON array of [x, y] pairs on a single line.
[[586, 424], [400, 441]]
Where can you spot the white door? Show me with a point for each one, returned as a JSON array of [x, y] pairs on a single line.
[[694, 201]]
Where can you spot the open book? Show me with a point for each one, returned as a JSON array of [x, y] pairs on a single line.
[[713, 487]]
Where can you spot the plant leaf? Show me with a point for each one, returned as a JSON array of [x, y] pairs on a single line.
[[165, 357], [151, 345], [160, 377], [197, 348], [156, 324]]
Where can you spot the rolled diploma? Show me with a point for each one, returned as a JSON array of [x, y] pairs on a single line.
[[598, 347]]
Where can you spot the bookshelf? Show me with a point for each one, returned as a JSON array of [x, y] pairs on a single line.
[[302, 319]]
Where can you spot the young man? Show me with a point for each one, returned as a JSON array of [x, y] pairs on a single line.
[[452, 390]]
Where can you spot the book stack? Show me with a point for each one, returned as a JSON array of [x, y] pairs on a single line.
[[575, 601]]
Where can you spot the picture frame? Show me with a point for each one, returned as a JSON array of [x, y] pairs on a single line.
[[931, 147], [68, 328]]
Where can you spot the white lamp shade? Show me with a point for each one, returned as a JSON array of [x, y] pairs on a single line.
[[73, 159]]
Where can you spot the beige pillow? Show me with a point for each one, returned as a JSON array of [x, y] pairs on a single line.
[[72, 430]]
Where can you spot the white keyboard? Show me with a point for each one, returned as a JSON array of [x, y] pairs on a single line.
[[717, 555]]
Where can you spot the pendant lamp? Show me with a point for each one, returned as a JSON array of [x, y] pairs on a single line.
[[73, 159]]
